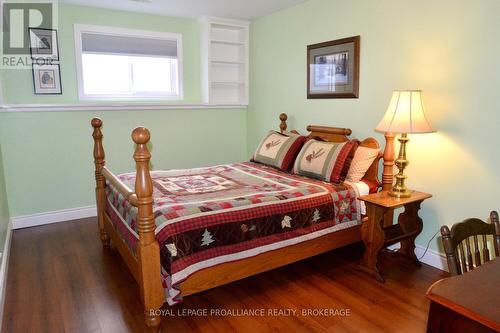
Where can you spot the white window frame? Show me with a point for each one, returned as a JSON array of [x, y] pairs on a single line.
[[81, 28]]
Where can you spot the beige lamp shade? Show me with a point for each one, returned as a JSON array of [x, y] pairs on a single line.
[[405, 114]]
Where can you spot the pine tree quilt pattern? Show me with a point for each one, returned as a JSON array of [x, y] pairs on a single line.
[[208, 216]]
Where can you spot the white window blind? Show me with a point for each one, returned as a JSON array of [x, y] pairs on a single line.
[[121, 64], [92, 42]]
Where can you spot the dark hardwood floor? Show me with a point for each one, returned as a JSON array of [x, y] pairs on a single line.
[[61, 280]]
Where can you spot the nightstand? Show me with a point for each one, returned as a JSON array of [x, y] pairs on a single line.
[[376, 235]]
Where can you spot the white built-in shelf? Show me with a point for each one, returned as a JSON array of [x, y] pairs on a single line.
[[216, 41], [227, 82], [225, 46], [229, 62]]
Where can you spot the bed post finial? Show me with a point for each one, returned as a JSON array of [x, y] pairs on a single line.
[[148, 250], [283, 118], [388, 172], [99, 178], [143, 186], [98, 148]]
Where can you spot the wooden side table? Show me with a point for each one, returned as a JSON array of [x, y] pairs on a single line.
[[376, 235]]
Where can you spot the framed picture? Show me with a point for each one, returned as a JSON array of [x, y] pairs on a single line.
[[333, 69], [47, 79], [43, 44]]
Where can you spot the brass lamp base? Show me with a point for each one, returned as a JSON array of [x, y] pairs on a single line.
[[399, 189], [400, 192]]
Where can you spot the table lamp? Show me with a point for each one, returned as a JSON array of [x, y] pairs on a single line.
[[405, 114]]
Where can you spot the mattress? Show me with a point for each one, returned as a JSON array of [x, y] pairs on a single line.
[[208, 216]]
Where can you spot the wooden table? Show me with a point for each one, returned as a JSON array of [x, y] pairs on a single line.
[[376, 235], [466, 303]]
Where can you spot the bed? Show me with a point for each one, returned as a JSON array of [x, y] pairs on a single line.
[[181, 232]]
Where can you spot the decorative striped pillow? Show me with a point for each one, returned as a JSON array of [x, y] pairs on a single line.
[[279, 150], [361, 162], [327, 161]]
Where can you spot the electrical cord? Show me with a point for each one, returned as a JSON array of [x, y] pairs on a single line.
[[426, 248], [428, 244]]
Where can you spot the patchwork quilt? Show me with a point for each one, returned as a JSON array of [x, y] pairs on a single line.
[[212, 215]]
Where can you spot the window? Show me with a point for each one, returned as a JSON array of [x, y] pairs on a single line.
[[115, 63]]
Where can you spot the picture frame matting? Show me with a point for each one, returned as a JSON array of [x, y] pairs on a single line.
[[333, 69]]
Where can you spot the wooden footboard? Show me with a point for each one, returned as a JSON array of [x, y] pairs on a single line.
[[145, 266]]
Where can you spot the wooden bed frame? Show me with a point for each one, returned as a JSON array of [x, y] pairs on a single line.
[[145, 264]]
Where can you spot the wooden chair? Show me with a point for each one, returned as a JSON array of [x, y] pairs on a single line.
[[460, 261]]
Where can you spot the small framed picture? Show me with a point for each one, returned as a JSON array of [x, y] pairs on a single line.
[[47, 79], [333, 69], [43, 44]]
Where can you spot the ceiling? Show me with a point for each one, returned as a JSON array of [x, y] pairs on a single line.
[[237, 9]]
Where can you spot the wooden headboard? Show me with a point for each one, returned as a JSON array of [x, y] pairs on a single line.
[[337, 134]]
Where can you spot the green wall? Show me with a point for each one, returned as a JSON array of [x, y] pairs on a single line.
[[449, 49], [4, 207], [48, 155]]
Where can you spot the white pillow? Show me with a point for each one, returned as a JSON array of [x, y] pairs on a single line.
[[361, 162]]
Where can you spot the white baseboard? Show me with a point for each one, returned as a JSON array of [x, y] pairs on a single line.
[[32, 220], [432, 258], [4, 269]]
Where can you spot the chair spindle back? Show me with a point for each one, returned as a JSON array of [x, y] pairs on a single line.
[[463, 257]]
